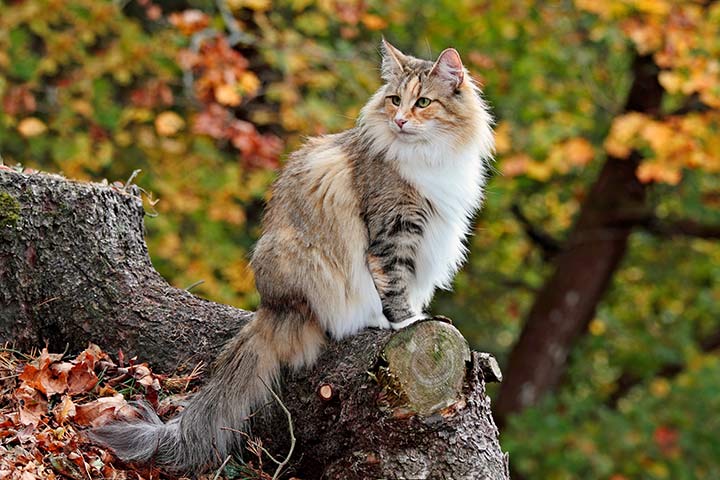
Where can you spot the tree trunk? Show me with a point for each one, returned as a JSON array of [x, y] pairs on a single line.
[[74, 268], [567, 302]]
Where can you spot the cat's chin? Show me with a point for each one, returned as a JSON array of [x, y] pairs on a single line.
[[405, 136]]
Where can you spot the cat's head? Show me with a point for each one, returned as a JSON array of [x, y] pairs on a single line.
[[427, 102]]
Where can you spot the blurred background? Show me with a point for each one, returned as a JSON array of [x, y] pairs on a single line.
[[594, 272]]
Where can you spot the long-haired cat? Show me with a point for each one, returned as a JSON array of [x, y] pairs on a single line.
[[361, 229]]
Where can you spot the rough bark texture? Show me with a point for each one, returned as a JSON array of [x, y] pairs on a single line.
[[596, 245], [74, 268]]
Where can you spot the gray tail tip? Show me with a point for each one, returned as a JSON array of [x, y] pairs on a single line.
[[135, 440]]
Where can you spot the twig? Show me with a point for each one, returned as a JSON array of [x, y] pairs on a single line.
[[290, 427], [132, 177], [193, 285], [236, 35], [45, 302], [549, 245], [219, 470], [16, 352]]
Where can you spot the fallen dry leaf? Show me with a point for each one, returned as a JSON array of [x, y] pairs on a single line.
[[32, 406], [64, 410], [48, 375], [102, 410], [81, 378]]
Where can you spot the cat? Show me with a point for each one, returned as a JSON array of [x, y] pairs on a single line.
[[362, 227]]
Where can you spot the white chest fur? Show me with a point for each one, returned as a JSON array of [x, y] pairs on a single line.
[[454, 186]]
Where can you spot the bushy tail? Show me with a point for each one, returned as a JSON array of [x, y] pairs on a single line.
[[209, 428]]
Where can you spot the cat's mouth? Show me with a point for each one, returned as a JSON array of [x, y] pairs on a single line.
[[407, 136], [403, 132]]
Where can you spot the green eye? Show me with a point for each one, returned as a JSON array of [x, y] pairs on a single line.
[[423, 102], [395, 100]]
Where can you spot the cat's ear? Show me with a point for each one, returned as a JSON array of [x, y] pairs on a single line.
[[449, 68], [393, 60]]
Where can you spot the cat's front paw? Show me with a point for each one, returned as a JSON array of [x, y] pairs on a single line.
[[408, 321]]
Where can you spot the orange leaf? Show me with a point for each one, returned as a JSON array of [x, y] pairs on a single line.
[[81, 379], [579, 151], [168, 123], [515, 165], [227, 94], [49, 376], [189, 21], [31, 127]]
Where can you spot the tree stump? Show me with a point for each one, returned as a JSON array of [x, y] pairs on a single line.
[[74, 268]]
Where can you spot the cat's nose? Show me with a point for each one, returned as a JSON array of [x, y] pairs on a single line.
[[400, 122]]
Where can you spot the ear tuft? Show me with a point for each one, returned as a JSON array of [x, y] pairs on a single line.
[[393, 61], [449, 67]]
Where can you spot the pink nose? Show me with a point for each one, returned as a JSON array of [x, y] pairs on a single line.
[[400, 122]]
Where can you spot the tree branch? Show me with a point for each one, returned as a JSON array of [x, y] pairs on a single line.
[[682, 227], [549, 245], [692, 104]]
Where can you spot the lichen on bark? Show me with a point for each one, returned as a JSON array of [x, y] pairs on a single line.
[[9, 210]]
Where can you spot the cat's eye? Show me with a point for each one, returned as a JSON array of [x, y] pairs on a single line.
[[395, 100], [423, 102]]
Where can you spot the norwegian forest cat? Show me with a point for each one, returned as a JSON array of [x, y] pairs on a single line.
[[361, 229]]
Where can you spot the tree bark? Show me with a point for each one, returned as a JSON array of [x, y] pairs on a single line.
[[583, 271], [74, 268]]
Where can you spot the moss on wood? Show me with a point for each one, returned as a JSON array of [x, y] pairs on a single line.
[[9, 210]]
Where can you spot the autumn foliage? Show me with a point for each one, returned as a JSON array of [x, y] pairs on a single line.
[[48, 400]]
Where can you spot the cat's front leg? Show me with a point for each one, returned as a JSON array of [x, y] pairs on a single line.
[[391, 260]]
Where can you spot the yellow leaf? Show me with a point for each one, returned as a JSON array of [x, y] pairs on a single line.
[[541, 171], [227, 95], [647, 36], [657, 172], [249, 82], [168, 123], [660, 387], [671, 81], [619, 142], [660, 137], [257, 5], [373, 22], [597, 327], [83, 107], [240, 276], [657, 7], [31, 127], [503, 143]]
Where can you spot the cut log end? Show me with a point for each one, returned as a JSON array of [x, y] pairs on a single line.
[[426, 366], [489, 367], [326, 392]]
